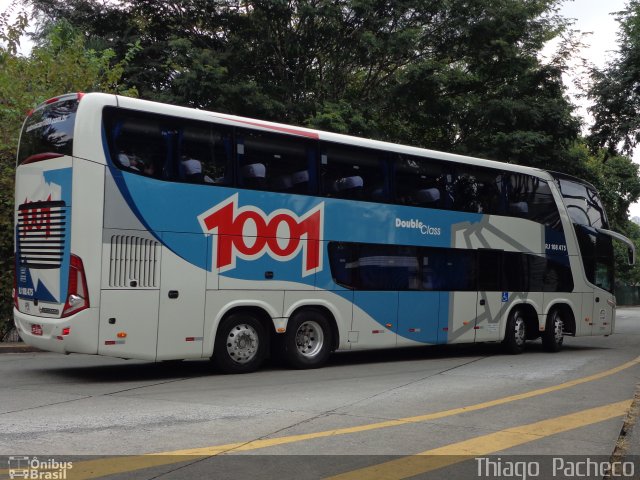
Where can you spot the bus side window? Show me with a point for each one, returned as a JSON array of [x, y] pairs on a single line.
[[204, 154], [489, 270], [448, 269], [343, 263], [353, 173], [138, 143], [275, 162], [420, 182]]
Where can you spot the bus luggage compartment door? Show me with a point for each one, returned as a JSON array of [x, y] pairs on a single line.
[[182, 294], [128, 323], [419, 318], [375, 314]]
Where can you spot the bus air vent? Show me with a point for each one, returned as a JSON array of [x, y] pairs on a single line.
[[134, 262]]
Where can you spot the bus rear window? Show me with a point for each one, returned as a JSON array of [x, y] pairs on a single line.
[[48, 132]]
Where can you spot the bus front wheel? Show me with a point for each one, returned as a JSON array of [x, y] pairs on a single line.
[[552, 337], [240, 345], [516, 332], [308, 340]]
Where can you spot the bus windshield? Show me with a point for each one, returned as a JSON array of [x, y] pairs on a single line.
[[48, 131], [583, 204]]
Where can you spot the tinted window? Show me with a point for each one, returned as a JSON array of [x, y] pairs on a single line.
[[421, 182], [374, 267], [489, 271], [49, 130], [142, 144], [387, 267], [169, 148], [596, 250], [343, 259], [558, 276], [353, 173], [205, 154], [448, 269], [530, 197], [279, 163], [583, 204], [391, 267], [515, 272]]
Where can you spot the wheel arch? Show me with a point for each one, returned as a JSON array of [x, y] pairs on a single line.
[[530, 316], [568, 315], [261, 310]]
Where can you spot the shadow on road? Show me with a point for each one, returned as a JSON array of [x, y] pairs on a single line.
[[136, 371]]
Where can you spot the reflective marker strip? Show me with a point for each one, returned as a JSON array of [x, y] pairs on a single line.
[[194, 339], [114, 342]]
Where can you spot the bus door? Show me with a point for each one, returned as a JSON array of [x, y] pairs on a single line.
[[182, 294], [603, 278], [491, 300], [455, 276], [379, 272]]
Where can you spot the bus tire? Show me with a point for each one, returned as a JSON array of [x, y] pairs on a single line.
[[240, 345], [308, 340], [516, 332], [553, 337]]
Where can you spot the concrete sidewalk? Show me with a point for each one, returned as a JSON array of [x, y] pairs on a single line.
[[17, 347]]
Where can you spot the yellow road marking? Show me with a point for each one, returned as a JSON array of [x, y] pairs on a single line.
[[484, 445], [109, 466]]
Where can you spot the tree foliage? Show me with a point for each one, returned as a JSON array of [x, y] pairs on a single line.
[[616, 89], [456, 75], [59, 63]]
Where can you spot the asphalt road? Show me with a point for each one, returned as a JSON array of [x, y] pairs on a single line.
[[366, 415]]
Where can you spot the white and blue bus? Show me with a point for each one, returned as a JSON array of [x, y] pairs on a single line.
[[158, 232]]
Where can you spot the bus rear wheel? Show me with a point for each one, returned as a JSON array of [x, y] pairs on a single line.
[[553, 337], [241, 344], [516, 333], [308, 340]]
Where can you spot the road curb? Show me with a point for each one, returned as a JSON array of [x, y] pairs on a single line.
[[17, 347], [628, 443]]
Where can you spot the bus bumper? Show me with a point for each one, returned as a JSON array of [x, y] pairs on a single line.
[[75, 334]]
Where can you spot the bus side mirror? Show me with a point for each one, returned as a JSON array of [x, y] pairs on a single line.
[[632, 256]]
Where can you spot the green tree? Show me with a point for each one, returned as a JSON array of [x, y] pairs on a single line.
[[59, 63], [461, 75], [615, 89]]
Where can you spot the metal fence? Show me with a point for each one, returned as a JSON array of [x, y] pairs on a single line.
[[11, 336], [626, 296]]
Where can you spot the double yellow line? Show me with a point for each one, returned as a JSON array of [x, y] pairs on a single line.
[[401, 468], [436, 458]]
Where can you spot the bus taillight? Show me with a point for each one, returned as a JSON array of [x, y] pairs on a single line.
[[78, 294]]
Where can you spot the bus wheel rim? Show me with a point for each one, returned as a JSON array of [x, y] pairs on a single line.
[[309, 339], [520, 334], [558, 327], [242, 343]]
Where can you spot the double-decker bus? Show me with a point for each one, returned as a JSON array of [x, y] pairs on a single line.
[[158, 232]]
